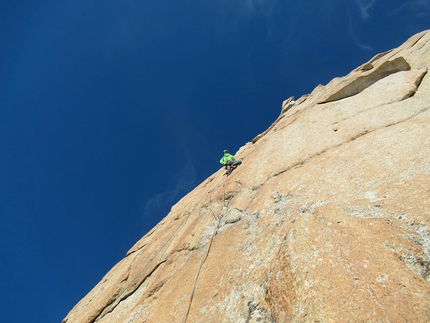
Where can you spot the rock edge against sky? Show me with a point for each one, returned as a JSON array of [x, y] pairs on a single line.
[[326, 220]]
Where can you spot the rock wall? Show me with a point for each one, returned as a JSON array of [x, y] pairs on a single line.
[[326, 220]]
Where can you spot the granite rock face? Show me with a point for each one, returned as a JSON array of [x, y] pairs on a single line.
[[326, 220]]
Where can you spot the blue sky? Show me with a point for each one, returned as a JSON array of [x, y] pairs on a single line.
[[111, 111]]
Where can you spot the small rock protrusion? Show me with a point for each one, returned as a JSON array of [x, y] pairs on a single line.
[[366, 67]]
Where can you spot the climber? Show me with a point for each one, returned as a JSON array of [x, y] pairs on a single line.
[[229, 162]]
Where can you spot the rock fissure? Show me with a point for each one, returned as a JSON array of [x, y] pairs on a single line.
[[419, 81], [424, 45], [125, 294], [135, 250], [157, 287], [417, 40]]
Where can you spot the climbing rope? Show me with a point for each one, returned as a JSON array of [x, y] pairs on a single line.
[[198, 272], [218, 218], [125, 292]]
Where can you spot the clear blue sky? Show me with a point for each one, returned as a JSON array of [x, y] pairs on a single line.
[[111, 111]]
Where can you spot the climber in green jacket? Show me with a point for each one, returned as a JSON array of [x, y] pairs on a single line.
[[229, 162]]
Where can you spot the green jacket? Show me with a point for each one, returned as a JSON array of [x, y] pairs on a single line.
[[227, 157]]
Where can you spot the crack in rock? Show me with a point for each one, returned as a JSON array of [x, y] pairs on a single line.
[[125, 294]]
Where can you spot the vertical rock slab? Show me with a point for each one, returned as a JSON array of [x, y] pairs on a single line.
[[326, 220]]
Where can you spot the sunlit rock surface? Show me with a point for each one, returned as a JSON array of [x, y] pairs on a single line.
[[326, 220]]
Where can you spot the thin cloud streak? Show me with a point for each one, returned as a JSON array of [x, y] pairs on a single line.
[[364, 7], [420, 8], [184, 183], [353, 35], [263, 5]]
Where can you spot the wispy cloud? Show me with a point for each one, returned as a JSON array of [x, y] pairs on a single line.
[[358, 43], [184, 181], [266, 7], [352, 33], [162, 201], [364, 7], [234, 14], [421, 8]]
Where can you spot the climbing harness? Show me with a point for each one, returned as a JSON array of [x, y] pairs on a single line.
[[233, 166]]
